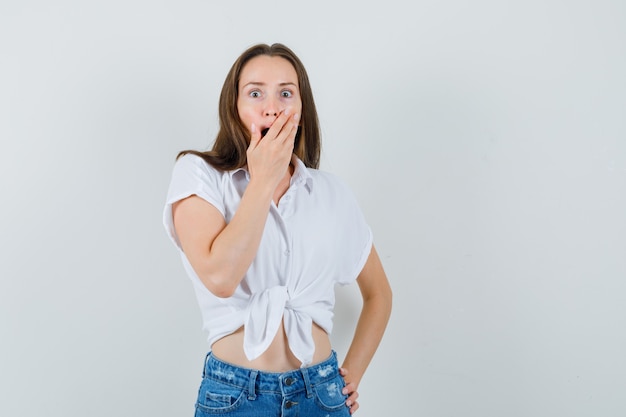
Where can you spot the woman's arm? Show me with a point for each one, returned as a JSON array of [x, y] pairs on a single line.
[[221, 253], [372, 322]]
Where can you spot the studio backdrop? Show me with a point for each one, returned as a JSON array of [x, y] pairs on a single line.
[[484, 140]]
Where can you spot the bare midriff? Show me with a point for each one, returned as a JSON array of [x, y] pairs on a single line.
[[277, 358]]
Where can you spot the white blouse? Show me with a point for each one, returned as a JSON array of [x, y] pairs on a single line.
[[315, 237]]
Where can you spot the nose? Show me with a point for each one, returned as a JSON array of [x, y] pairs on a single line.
[[272, 108]]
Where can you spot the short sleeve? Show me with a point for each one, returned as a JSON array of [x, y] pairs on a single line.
[[192, 176], [357, 238]]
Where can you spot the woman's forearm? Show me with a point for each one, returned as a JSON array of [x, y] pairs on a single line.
[[377, 299], [368, 334], [234, 249], [221, 253]]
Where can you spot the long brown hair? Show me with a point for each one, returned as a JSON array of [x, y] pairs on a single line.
[[231, 143]]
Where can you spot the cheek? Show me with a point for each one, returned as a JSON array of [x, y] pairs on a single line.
[[246, 116]]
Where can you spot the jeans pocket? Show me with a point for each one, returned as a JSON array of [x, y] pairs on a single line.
[[218, 397], [328, 395]]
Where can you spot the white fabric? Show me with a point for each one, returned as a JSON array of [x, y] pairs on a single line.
[[314, 238]]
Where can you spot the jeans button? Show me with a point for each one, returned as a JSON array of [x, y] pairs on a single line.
[[289, 404], [290, 381]]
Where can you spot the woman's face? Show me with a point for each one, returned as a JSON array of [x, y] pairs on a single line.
[[267, 87]]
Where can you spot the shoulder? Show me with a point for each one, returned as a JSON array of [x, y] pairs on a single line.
[[330, 185], [193, 175], [327, 179], [192, 161], [194, 166]]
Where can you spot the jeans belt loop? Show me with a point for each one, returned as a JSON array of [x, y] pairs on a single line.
[[251, 385], [307, 382]]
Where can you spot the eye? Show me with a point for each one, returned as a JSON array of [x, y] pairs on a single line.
[[254, 94], [286, 94]]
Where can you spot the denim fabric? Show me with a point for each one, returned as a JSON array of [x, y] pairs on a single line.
[[312, 391]]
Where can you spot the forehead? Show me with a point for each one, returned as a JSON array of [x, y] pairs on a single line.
[[268, 70]]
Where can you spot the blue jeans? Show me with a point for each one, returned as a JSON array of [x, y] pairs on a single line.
[[229, 390]]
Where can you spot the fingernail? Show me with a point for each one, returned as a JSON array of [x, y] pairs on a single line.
[[287, 111], [253, 128], [296, 117], [344, 391], [348, 403]]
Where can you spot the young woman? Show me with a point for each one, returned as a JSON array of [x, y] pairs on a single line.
[[264, 236]]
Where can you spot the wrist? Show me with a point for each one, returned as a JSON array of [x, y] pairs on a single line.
[[260, 187]]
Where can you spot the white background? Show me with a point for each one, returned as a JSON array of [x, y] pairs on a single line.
[[485, 140]]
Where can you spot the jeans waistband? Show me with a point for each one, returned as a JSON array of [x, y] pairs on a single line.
[[256, 381]]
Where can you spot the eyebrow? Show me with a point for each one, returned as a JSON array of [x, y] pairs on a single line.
[[254, 83]]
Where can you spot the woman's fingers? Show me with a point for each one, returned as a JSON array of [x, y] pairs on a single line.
[[255, 136], [353, 407], [268, 156], [352, 398], [351, 391], [284, 127]]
